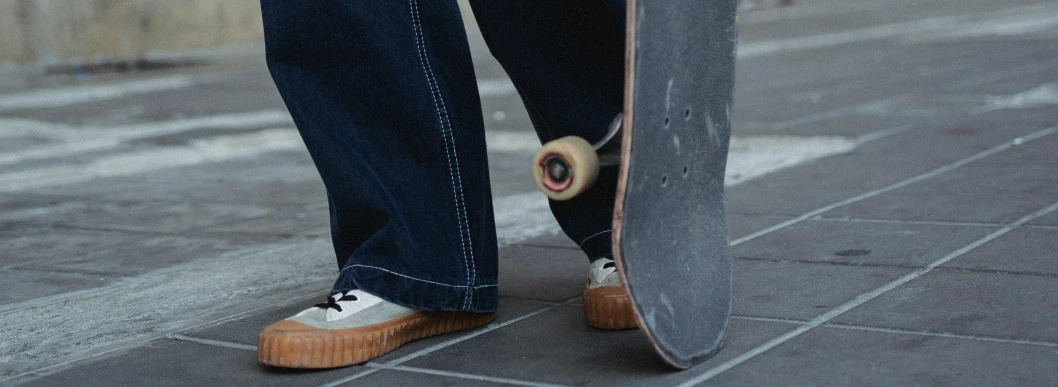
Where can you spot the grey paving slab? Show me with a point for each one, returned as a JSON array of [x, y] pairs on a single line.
[[550, 274], [177, 363], [739, 225], [989, 304], [1040, 152], [974, 193], [556, 241], [281, 221], [26, 285], [862, 243], [557, 347], [790, 192], [842, 121], [504, 111], [873, 165], [801, 291], [841, 357], [509, 172], [1024, 250]]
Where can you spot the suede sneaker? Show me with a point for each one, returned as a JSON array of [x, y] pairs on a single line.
[[606, 306], [351, 328]]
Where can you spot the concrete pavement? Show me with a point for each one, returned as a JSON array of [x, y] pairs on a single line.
[[893, 203]]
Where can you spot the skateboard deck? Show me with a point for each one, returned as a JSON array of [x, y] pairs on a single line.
[[670, 240], [670, 236]]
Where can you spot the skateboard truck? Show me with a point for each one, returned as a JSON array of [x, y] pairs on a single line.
[[568, 166]]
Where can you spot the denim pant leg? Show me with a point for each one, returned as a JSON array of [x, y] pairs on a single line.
[[566, 58], [384, 95]]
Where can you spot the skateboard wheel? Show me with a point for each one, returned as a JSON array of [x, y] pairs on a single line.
[[566, 167]]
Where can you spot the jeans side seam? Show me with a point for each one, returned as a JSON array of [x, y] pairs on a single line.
[[452, 155], [592, 236], [419, 279]]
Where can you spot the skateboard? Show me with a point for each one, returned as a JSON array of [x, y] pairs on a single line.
[[670, 238]]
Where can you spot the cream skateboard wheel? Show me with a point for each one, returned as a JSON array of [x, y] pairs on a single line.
[[565, 168]]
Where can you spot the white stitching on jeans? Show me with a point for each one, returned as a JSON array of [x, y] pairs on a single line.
[[593, 236], [420, 279], [453, 162]]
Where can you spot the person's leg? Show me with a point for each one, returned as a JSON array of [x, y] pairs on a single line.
[[567, 61], [384, 95]]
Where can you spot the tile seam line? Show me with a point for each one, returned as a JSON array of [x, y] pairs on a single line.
[[473, 334], [890, 266], [862, 299], [463, 375], [211, 342], [908, 222], [903, 183], [447, 343], [832, 263], [946, 335]]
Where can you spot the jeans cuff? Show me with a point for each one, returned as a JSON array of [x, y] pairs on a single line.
[[417, 293]]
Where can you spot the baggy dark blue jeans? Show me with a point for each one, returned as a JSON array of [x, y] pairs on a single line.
[[384, 95]]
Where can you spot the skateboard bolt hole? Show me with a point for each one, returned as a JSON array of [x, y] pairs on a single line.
[[666, 122], [684, 171], [664, 180], [557, 170], [687, 114]]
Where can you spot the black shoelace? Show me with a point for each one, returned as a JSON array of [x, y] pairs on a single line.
[[333, 303], [609, 265]]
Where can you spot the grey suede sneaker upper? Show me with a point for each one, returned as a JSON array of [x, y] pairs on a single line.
[[603, 273], [352, 309]]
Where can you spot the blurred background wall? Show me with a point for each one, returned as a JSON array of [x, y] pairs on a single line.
[[49, 32]]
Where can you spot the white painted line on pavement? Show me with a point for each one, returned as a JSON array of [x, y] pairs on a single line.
[[1012, 25], [496, 87], [197, 152], [81, 140], [49, 98], [16, 127], [511, 141], [1041, 96], [861, 299]]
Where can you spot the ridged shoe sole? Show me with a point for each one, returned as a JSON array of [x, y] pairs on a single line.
[[291, 344], [608, 307]]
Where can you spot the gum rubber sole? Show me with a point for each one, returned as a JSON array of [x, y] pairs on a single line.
[[608, 307], [291, 344]]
